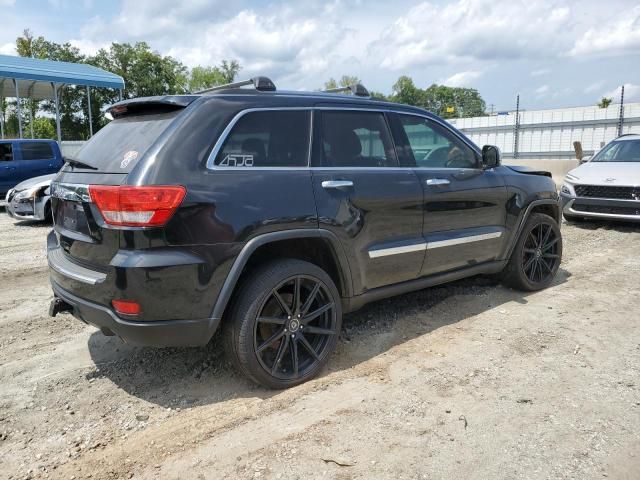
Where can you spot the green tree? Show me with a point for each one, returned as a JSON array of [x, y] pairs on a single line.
[[345, 81], [447, 102], [44, 127], [201, 78], [605, 102]]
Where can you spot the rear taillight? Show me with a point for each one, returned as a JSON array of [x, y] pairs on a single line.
[[126, 307], [150, 206]]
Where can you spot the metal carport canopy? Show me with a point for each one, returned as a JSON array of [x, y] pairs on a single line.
[[22, 77], [35, 76]]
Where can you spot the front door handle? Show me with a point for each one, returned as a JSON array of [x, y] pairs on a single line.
[[438, 181], [339, 184]]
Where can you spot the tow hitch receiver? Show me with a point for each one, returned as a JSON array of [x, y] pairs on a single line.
[[58, 305]]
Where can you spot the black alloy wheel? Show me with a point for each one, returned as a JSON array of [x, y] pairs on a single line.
[[540, 256], [284, 324], [536, 256], [294, 326]]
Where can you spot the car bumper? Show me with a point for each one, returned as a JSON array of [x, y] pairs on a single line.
[[28, 209], [165, 333], [624, 210]]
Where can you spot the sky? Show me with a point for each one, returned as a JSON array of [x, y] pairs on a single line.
[[554, 53]]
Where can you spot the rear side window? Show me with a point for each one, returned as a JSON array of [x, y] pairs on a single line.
[[278, 138], [36, 151], [356, 139], [6, 152], [119, 145]]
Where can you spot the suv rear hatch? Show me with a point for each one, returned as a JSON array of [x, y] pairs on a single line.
[[86, 235]]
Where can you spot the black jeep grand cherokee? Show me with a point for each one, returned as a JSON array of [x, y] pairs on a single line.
[[270, 214]]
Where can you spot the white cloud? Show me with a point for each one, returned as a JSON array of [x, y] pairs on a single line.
[[594, 87], [7, 3], [611, 37], [462, 79], [8, 49], [542, 89], [540, 72], [631, 93], [475, 30]]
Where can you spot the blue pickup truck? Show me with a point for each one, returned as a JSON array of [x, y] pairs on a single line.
[[23, 159]]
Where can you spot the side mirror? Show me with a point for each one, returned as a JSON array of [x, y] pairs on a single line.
[[584, 159], [490, 156]]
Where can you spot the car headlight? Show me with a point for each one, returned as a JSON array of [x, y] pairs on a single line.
[[567, 190], [28, 193]]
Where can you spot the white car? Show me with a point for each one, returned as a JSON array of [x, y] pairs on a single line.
[[31, 200], [607, 186]]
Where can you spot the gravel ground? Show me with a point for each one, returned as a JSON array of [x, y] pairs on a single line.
[[469, 380]]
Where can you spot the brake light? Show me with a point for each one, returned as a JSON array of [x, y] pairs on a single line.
[[126, 307], [150, 206]]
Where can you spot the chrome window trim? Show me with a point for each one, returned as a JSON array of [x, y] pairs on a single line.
[[210, 164]]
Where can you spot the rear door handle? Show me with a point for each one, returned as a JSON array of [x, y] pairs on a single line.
[[339, 184], [438, 181]]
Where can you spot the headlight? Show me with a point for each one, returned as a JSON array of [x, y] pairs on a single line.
[[567, 190], [28, 193]]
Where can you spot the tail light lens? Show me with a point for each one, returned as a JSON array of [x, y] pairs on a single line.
[[126, 307], [150, 206]]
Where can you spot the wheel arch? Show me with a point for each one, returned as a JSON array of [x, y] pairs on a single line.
[[318, 246], [547, 206]]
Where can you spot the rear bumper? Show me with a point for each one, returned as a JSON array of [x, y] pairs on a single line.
[[624, 210], [165, 333]]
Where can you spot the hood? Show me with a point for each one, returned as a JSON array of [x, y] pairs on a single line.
[[607, 173], [41, 181]]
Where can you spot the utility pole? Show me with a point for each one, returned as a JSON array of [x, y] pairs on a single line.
[[491, 109], [516, 131], [621, 118]]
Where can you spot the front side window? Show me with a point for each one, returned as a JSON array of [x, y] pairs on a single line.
[[277, 138], [36, 151], [6, 152], [433, 146], [619, 151], [356, 139]]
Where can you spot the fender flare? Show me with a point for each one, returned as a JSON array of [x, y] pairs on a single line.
[[252, 245], [525, 216]]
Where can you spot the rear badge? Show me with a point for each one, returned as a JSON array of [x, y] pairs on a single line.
[[128, 158]]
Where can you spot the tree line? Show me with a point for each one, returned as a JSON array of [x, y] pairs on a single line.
[[147, 72]]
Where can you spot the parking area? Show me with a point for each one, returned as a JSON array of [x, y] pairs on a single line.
[[468, 380]]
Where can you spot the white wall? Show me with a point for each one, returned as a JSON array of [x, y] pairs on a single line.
[[551, 133]]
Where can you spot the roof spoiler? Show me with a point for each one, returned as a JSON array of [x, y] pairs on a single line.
[[262, 84], [160, 102], [356, 89]]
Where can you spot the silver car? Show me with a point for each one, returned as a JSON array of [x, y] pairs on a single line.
[[30, 200], [607, 186]]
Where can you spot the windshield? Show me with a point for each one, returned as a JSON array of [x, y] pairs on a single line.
[[620, 151], [120, 144]]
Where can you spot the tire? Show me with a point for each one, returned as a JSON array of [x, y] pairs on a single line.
[[536, 256], [271, 347]]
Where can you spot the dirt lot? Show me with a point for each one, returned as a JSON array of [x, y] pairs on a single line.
[[469, 380]]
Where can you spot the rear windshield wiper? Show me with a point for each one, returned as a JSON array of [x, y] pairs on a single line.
[[77, 163]]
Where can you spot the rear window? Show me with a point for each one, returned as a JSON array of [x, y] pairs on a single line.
[[36, 151], [122, 143]]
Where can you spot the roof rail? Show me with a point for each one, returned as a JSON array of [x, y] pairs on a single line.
[[263, 84], [357, 89]]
